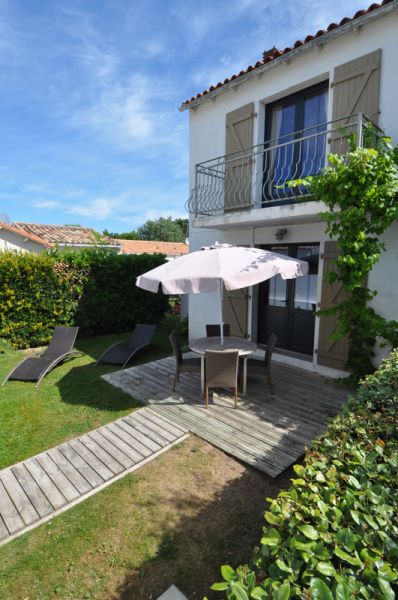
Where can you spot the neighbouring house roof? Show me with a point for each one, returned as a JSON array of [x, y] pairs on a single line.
[[66, 234], [149, 247], [25, 234], [274, 55]]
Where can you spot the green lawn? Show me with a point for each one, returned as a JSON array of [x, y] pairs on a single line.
[[176, 520], [71, 400]]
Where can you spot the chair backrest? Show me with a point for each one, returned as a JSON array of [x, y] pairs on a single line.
[[62, 341], [142, 335], [221, 368], [215, 330], [271, 343], [176, 345]]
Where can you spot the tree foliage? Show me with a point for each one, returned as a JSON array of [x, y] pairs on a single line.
[[164, 229], [94, 289]]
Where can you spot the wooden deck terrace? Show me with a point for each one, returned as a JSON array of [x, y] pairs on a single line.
[[268, 431]]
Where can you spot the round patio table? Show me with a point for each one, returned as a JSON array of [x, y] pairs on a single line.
[[244, 347]]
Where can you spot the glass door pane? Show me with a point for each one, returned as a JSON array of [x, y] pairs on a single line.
[[314, 121]]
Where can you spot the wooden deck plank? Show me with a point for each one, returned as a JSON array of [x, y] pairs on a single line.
[[57, 476], [8, 512], [72, 474], [99, 452], [133, 431], [142, 428], [35, 490], [111, 449], [4, 533], [81, 465], [19, 498], [121, 445], [46, 485], [269, 431], [32, 490]]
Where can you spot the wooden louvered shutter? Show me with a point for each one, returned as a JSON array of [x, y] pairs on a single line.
[[331, 354], [238, 170], [235, 310], [356, 88]]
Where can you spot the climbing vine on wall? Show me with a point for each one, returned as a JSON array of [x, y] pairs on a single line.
[[360, 190]]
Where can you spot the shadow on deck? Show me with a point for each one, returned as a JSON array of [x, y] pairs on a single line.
[[268, 431]]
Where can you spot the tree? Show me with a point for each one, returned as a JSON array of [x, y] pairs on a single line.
[[128, 235], [164, 229]]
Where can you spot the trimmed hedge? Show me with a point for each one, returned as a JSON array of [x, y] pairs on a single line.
[[94, 289], [333, 535]]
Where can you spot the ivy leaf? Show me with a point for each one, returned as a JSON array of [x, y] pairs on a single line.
[[228, 573], [271, 538], [346, 539], [320, 590], [282, 593], [219, 587], [326, 568], [386, 589], [309, 531], [352, 560], [343, 591], [239, 591], [258, 593]]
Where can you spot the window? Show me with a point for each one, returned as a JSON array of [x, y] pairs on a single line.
[[295, 141]]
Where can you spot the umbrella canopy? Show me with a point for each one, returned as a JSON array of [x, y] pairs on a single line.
[[205, 270]]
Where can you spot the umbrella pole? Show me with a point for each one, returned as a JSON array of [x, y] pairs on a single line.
[[221, 316]]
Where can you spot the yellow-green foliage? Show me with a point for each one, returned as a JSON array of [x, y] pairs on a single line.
[[94, 289]]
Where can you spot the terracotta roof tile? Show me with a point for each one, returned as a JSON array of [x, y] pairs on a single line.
[[275, 53], [66, 234], [25, 234], [153, 247]]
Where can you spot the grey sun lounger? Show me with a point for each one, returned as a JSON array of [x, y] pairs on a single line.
[[122, 352], [34, 368]]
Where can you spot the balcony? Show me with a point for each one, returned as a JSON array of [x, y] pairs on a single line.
[[233, 185]]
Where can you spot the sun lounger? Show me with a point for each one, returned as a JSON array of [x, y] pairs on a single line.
[[122, 352]]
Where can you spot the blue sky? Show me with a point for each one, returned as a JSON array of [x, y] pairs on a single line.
[[90, 89]]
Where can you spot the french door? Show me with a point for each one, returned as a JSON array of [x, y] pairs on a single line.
[[288, 307], [295, 139]]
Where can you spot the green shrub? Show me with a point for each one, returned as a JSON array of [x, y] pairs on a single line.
[[94, 289], [333, 535]]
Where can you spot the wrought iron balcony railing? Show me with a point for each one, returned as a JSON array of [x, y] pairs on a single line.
[[257, 177]]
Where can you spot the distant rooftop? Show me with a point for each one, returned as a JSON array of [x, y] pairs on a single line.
[[153, 247], [66, 234]]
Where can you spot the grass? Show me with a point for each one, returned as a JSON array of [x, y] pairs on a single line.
[[176, 520], [71, 400]]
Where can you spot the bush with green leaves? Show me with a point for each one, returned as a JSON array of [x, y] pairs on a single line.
[[333, 535], [94, 289]]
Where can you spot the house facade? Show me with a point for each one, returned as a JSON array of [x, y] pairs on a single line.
[[274, 122]]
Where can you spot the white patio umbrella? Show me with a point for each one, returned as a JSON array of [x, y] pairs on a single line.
[[206, 270]]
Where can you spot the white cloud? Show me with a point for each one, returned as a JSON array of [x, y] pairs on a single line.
[[98, 209], [46, 204]]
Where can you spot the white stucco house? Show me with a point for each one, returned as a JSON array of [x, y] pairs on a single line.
[[275, 121]]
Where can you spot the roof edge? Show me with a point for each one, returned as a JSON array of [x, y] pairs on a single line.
[[317, 42], [25, 234]]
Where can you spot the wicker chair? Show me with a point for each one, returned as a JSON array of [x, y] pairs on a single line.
[[221, 371], [183, 365], [215, 330], [263, 367]]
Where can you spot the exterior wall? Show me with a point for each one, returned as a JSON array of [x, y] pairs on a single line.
[[207, 140], [11, 241], [207, 121]]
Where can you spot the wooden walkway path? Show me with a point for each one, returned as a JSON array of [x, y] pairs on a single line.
[[269, 432], [37, 489]]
